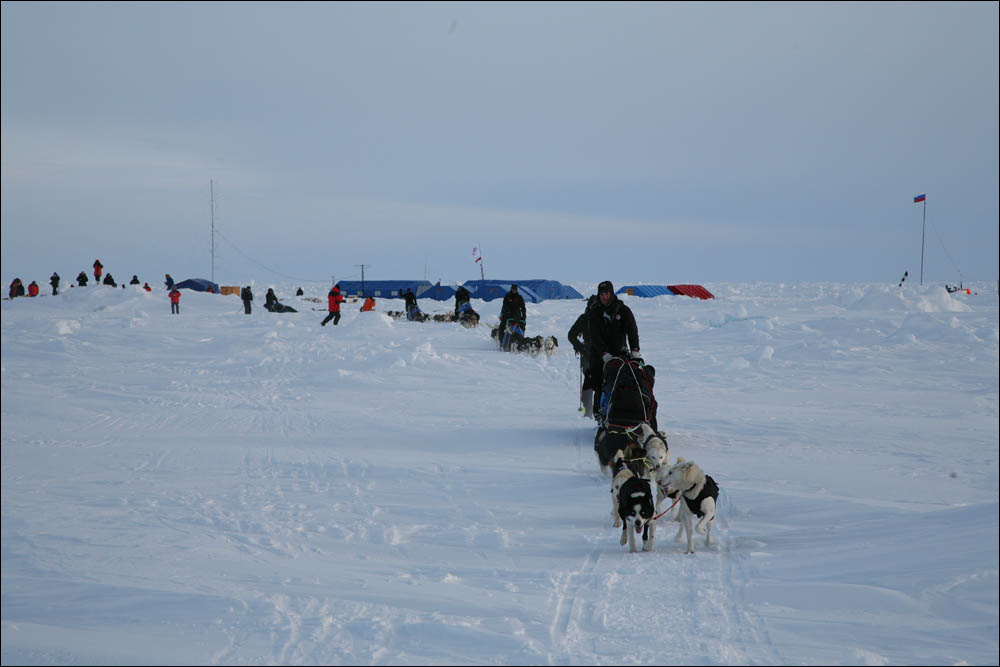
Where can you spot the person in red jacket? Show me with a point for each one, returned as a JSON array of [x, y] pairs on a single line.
[[33, 289], [368, 305], [98, 269], [175, 302], [334, 299], [147, 287]]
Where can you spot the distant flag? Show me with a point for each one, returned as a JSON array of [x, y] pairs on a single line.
[[477, 255], [919, 198]]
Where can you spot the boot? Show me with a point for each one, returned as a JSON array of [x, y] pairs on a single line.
[[587, 396]]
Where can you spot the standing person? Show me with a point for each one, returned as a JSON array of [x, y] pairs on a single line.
[[169, 282], [613, 333], [175, 301], [245, 294], [98, 270], [54, 281], [513, 308], [581, 330], [333, 300], [134, 281], [462, 297], [368, 305], [411, 307], [299, 292], [33, 289], [82, 279]]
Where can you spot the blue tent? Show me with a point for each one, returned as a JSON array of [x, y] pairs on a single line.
[[645, 290], [436, 292], [385, 289], [538, 289], [498, 291], [486, 292], [198, 285], [693, 291]]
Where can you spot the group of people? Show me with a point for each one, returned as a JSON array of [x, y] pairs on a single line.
[[17, 287], [605, 329]]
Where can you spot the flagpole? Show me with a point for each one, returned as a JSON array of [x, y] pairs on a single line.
[[482, 273], [923, 235]]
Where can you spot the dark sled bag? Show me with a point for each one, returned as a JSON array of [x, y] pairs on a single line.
[[627, 399]]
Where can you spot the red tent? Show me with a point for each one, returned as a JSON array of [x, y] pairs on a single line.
[[693, 291]]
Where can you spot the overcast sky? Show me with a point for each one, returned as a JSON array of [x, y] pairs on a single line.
[[671, 143]]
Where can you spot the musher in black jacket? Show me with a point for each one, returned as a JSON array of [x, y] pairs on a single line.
[[461, 296], [513, 308], [581, 329], [613, 333]]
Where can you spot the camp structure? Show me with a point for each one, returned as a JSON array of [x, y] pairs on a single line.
[[693, 291], [499, 290], [385, 289], [199, 285], [437, 292], [534, 290]]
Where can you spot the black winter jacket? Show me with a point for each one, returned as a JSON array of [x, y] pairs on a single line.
[[512, 308], [610, 326]]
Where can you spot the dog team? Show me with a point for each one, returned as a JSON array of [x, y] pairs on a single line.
[[638, 460]]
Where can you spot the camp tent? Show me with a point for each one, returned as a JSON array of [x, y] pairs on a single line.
[[645, 290], [499, 291], [199, 285], [694, 291], [486, 292], [539, 289], [437, 292], [385, 289]]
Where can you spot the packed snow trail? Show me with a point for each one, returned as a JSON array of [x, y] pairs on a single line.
[[216, 488]]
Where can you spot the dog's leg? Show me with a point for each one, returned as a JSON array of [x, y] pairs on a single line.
[[705, 525], [614, 508], [685, 527], [648, 545], [624, 536], [630, 527]]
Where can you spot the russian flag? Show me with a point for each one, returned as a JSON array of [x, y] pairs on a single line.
[[919, 198]]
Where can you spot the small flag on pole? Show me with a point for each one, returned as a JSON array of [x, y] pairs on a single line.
[[919, 198], [475, 252]]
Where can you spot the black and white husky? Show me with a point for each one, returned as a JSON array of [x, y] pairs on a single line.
[[656, 453], [699, 493], [635, 510]]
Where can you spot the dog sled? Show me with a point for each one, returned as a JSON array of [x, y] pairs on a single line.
[[278, 307], [511, 338], [626, 402], [415, 315], [627, 397], [466, 316]]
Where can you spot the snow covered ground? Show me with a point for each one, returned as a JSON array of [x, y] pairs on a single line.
[[216, 488]]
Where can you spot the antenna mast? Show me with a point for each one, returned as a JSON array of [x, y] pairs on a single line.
[[363, 277], [211, 187]]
